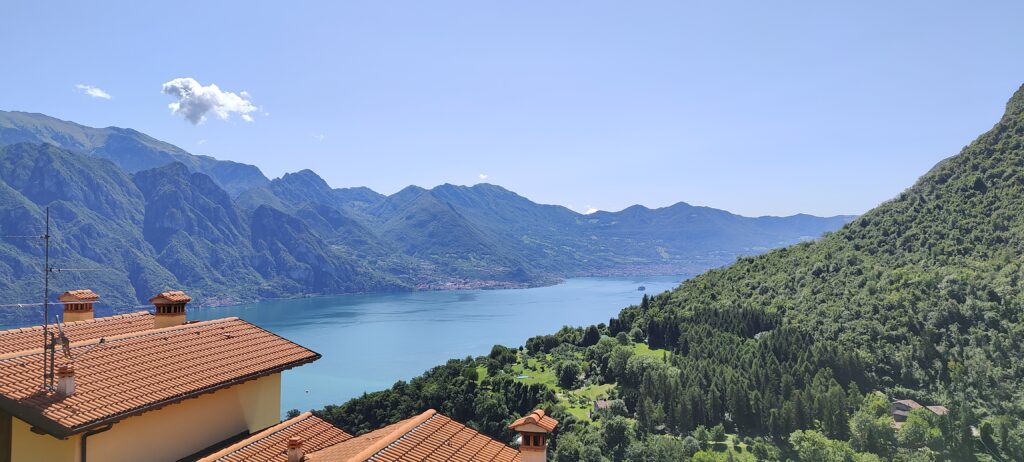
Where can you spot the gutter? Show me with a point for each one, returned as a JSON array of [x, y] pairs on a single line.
[[85, 439]]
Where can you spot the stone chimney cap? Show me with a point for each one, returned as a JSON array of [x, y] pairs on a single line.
[[295, 442], [81, 295], [171, 296], [65, 370]]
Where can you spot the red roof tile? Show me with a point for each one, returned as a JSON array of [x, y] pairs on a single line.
[[137, 372], [171, 296], [269, 445], [535, 418], [31, 338], [82, 295], [427, 437]]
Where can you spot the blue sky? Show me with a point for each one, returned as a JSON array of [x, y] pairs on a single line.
[[754, 107]]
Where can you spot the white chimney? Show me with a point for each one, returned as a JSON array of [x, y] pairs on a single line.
[[65, 380], [295, 453]]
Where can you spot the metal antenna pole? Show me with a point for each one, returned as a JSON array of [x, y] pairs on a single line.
[[47, 362]]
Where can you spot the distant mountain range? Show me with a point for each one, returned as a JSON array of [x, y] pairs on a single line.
[[148, 216]]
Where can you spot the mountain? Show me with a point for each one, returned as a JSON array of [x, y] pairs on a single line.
[[129, 149], [490, 234], [153, 216], [195, 229], [130, 236], [925, 290], [98, 216]]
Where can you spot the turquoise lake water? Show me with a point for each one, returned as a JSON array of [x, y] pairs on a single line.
[[368, 342]]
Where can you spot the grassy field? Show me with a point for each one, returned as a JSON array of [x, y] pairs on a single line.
[[536, 372], [579, 401], [641, 349]]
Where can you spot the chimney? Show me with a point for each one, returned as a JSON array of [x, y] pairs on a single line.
[[534, 430], [295, 452], [170, 308], [65, 380], [78, 304]]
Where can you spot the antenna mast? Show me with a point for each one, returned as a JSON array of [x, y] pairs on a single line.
[[48, 340]]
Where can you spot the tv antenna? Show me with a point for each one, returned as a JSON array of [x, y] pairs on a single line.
[[52, 339], [49, 340]]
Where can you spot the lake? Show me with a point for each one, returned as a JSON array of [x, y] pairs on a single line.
[[370, 341]]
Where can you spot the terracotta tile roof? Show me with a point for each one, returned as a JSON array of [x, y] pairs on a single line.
[[535, 418], [269, 445], [427, 437], [171, 296], [137, 372], [83, 295], [31, 338], [376, 439]]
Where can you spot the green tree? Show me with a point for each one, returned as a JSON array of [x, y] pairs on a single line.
[[765, 451], [568, 373], [690, 446], [658, 448], [811, 445], [871, 426], [500, 357], [617, 434], [701, 435], [572, 449], [491, 413], [717, 434], [590, 336], [917, 431], [622, 338]]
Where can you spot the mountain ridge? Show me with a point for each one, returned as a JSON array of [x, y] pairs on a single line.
[[232, 239]]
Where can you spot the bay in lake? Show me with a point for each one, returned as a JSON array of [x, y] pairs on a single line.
[[370, 341]]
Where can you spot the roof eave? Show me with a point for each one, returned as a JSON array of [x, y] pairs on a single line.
[[59, 431]]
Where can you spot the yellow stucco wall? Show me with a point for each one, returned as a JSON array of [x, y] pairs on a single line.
[[166, 434], [30, 447]]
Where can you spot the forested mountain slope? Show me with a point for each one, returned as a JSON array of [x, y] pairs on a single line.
[[926, 288]]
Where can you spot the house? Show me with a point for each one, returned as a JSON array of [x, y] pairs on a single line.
[[901, 410], [149, 386]]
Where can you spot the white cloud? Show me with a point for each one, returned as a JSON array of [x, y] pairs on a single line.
[[201, 142], [590, 209], [95, 92], [483, 176], [195, 100], [319, 137]]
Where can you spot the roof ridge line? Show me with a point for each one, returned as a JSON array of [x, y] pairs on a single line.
[[76, 323], [406, 435], [400, 432], [113, 338], [276, 428]]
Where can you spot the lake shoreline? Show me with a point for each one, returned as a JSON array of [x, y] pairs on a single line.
[[370, 341]]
